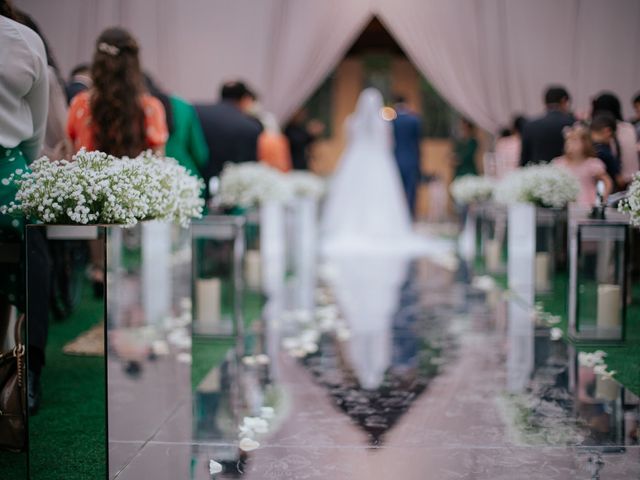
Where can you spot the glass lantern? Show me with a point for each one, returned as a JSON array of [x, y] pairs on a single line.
[[252, 268], [599, 252], [218, 250], [598, 401], [548, 230], [493, 237]]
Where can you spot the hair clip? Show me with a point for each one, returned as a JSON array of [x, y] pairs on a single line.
[[108, 49]]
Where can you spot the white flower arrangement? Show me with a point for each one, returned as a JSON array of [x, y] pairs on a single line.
[[543, 185], [631, 204], [96, 188], [307, 184], [251, 183], [471, 189]]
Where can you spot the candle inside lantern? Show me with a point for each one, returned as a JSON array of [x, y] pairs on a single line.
[[609, 305], [543, 262], [253, 269], [607, 389], [208, 292], [492, 255]]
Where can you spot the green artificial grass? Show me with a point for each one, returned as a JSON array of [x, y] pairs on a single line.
[[68, 437]]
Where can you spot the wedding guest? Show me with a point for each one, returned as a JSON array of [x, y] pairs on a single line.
[[508, 148], [231, 134], [542, 138], [579, 159], [302, 133], [24, 92], [465, 149], [56, 144], [624, 142], [116, 115], [186, 141], [636, 109], [79, 82], [603, 135]]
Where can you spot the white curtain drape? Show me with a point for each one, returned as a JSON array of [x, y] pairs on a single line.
[[488, 58], [309, 39], [493, 58]]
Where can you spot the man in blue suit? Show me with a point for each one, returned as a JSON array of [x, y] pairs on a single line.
[[406, 129]]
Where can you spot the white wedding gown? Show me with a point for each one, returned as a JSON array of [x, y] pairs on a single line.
[[366, 208], [368, 239]]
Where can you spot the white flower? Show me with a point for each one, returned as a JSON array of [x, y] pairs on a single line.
[[267, 413], [631, 204], [248, 444], [249, 184], [590, 360], [184, 357], [253, 425], [262, 359], [471, 188], [249, 360], [214, 467], [306, 184], [555, 334], [542, 185], [99, 188], [484, 283]]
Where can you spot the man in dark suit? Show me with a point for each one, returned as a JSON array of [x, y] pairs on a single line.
[[231, 134], [406, 130], [542, 138], [79, 82]]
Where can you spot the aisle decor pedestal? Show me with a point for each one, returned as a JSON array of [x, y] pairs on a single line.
[[598, 277], [219, 249], [125, 279], [114, 245]]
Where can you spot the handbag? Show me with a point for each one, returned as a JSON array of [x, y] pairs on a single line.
[[13, 395]]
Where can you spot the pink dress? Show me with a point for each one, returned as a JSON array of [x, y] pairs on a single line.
[[587, 172]]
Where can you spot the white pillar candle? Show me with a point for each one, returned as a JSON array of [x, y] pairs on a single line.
[[607, 389], [252, 269], [609, 303], [493, 254], [543, 262], [208, 292]]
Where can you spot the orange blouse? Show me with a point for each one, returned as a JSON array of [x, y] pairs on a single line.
[[81, 132], [273, 149]]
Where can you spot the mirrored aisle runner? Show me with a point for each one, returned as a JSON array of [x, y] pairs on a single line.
[[401, 370]]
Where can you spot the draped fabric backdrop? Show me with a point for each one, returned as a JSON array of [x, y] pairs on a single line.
[[488, 58]]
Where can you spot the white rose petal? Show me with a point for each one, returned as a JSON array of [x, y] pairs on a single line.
[[214, 467], [248, 444]]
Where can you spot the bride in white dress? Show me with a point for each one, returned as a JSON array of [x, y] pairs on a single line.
[[366, 206], [368, 238]]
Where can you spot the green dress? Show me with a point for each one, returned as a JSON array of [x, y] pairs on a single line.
[[186, 142], [465, 151], [12, 161]]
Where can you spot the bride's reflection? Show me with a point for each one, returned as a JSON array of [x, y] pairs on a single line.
[[368, 289]]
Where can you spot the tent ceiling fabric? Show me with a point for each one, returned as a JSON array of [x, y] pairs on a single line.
[[488, 58]]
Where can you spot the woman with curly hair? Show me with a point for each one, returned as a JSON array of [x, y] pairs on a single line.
[[116, 116]]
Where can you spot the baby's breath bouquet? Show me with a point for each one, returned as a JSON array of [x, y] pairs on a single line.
[[631, 204], [307, 184], [471, 188], [249, 184], [543, 185], [96, 188]]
